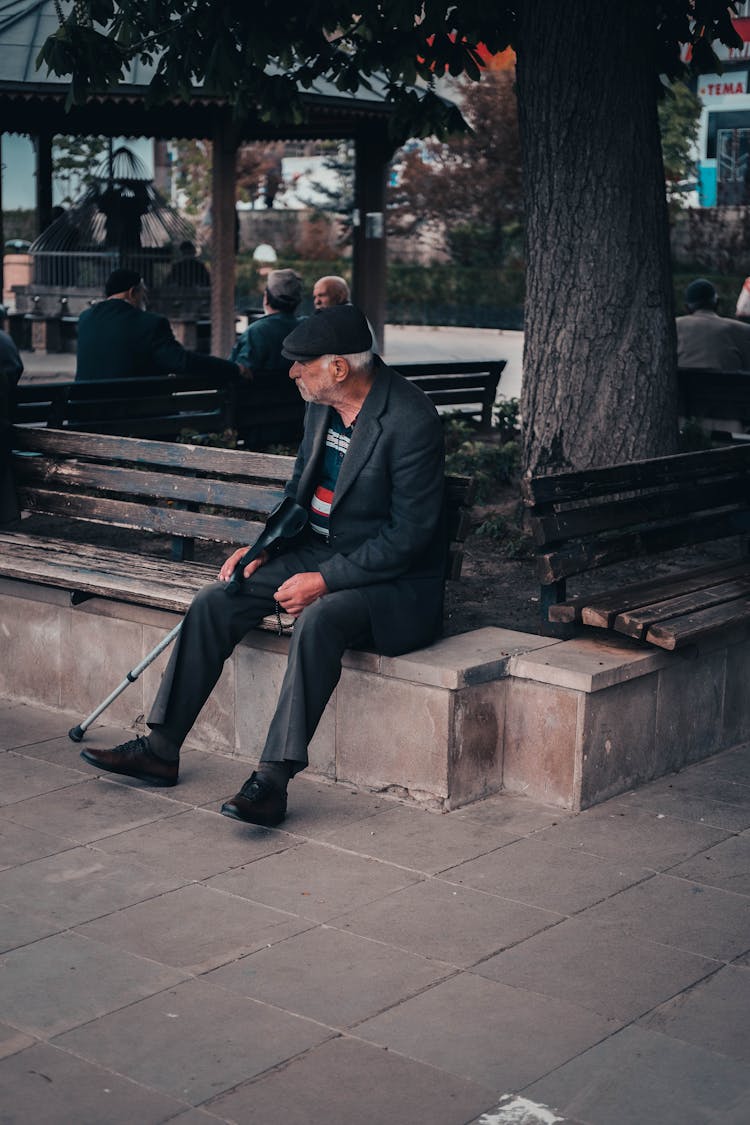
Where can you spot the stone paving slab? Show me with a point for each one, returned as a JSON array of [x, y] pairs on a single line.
[[319, 808], [314, 881], [642, 1076], [715, 1014], [708, 798], [12, 1040], [92, 809], [621, 828], [726, 866], [472, 967], [547, 876], [24, 778], [487, 1032], [704, 920], [732, 764], [334, 977], [194, 844], [512, 813], [21, 927], [19, 844], [599, 968], [398, 836], [44, 1080], [378, 1088], [194, 928], [450, 923], [194, 1041], [22, 724], [65, 980], [79, 885]]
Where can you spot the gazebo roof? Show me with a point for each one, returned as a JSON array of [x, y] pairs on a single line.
[[32, 99]]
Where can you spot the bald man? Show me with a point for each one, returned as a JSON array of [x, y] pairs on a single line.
[[330, 291]]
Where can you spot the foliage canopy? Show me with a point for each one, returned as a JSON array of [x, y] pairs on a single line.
[[262, 58]]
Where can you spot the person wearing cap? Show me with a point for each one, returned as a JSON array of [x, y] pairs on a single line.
[[367, 570], [119, 339], [259, 346], [259, 350], [705, 339]]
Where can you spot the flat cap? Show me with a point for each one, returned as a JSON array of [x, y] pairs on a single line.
[[338, 330], [285, 285]]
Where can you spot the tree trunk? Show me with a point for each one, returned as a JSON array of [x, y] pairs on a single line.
[[600, 352]]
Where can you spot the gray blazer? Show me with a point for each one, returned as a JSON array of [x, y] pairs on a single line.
[[386, 516]]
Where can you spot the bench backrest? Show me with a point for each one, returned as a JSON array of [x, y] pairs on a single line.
[[159, 405], [457, 383], [187, 492], [183, 491], [265, 411], [718, 395], [585, 520]]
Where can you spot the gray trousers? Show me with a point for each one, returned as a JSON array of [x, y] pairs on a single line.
[[216, 622]]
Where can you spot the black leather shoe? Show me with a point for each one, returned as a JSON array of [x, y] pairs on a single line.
[[134, 759], [258, 802]]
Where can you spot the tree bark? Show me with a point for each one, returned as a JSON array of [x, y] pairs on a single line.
[[600, 352]]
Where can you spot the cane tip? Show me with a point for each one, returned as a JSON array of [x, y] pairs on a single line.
[[75, 734]]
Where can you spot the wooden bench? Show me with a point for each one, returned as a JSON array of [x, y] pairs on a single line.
[[470, 386], [718, 400], [165, 407], [187, 493], [265, 412], [585, 520], [155, 407]]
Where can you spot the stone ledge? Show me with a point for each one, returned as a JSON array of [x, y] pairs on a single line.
[[464, 660], [590, 664], [570, 723]]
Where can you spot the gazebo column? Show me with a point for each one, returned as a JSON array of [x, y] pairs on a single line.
[[223, 181], [373, 151], [43, 181]]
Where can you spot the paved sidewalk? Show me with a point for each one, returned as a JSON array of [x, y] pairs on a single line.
[[371, 963]]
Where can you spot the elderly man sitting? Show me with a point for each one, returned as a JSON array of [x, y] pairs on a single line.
[[366, 570]]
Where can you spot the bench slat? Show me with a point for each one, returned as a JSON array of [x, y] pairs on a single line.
[[145, 517], [636, 622], [103, 572], [668, 502], [653, 473], [238, 464], [156, 429], [682, 631], [580, 556], [46, 473], [601, 609]]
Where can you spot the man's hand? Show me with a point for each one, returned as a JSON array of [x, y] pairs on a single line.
[[230, 565], [244, 372], [300, 590]]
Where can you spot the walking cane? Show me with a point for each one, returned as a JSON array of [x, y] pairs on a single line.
[[285, 522]]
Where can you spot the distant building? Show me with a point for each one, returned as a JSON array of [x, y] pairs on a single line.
[[724, 138]]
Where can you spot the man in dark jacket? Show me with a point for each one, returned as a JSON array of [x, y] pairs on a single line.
[[259, 350], [367, 571], [118, 339]]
